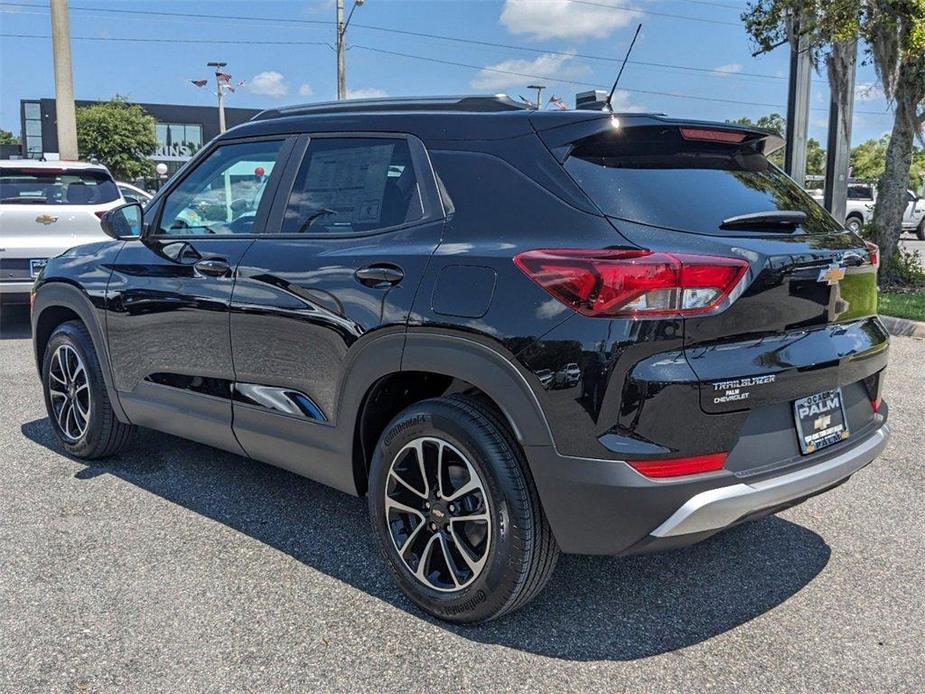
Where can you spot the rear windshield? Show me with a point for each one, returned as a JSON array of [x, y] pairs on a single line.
[[25, 186], [653, 176]]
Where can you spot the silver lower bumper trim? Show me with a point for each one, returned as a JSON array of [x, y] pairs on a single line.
[[717, 508]]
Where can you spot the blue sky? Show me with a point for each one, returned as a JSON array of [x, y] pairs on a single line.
[[564, 38]]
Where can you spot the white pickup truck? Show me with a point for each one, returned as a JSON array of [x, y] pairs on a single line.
[[860, 208]]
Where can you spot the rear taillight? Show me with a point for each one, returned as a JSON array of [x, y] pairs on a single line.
[[100, 213], [678, 467], [873, 250], [640, 283]]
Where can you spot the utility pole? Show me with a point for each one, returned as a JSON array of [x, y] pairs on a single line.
[[798, 104], [341, 45], [843, 60], [65, 112], [220, 93]]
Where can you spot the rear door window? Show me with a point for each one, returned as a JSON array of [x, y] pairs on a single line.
[[348, 185], [653, 176], [49, 186]]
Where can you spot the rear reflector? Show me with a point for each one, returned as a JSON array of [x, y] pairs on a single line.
[[636, 283], [678, 467], [873, 250], [712, 135], [875, 405]]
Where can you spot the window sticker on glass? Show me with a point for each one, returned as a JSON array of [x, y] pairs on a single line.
[[348, 185]]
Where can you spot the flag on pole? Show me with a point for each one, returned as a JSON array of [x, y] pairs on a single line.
[[200, 83], [558, 103], [223, 77]]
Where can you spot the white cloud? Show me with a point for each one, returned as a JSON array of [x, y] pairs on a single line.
[[269, 83], [561, 19], [868, 91], [306, 90], [549, 66], [366, 93], [726, 70], [622, 102]]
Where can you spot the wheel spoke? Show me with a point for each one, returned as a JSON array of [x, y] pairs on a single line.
[[448, 558], [425, 559], [56, 394], [411, 538], [475, 565], [84, 413], [390, 504], [406, 485], [60, 416], [51, 372], [470, 486], [472, 517], [62, 364]]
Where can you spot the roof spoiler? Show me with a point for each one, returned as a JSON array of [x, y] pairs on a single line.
[[561, 140]]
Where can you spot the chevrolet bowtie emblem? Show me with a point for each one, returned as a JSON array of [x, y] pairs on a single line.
[[831, 274], [46, 219]]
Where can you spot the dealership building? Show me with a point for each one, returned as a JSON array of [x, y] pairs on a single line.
[[181, 130]]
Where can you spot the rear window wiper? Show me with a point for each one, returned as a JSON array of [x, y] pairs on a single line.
[[783, 218]]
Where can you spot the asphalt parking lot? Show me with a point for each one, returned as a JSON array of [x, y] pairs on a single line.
[[176, 567]]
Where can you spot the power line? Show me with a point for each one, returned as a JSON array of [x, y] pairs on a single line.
[[628, 8], [712, 72], [550, 78], [441, 61]]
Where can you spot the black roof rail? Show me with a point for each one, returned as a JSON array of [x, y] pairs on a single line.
[[473, 104]]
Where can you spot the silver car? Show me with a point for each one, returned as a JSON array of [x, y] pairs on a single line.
[[47, 207]]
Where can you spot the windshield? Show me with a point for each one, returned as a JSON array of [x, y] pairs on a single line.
[[655, 177], [38, 186]]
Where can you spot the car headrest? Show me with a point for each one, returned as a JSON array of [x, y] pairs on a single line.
[[79, 193]]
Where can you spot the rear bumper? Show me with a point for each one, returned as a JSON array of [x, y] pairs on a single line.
[[718, 508], [606, 507]]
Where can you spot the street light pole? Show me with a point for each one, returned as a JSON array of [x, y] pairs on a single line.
[[341, 45], [539, 94], [220, 93], [65, 112]]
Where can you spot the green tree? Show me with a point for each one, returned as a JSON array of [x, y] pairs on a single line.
[[7, 138], [894, 32], [815, 155], [868, 161], [119, 134]]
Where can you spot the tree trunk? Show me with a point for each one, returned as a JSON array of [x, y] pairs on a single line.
[[891, 191]]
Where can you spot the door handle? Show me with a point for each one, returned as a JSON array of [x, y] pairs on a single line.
[[377, 276], [213, 267]]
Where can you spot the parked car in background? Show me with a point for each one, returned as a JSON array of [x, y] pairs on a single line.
[[132, 193], [372, 294], [860, 208], [568, 376], [46, 208]]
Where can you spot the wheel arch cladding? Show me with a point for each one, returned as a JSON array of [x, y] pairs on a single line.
[[434, 365], [59, 302]]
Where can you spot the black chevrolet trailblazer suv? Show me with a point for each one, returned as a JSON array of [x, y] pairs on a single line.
[[515, 332]]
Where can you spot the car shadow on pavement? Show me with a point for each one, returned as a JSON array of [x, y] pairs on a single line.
[[594, 608]]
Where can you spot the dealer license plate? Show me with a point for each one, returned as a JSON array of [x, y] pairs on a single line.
[[820, 420]]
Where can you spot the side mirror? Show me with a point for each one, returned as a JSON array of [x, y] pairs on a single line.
[[124, 222]]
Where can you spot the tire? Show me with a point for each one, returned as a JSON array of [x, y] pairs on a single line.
[[512, 552], [854, 224], [920, 231], [78, 405]]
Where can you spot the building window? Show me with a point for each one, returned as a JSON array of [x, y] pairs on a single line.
[[177, 141], [32, 129]]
